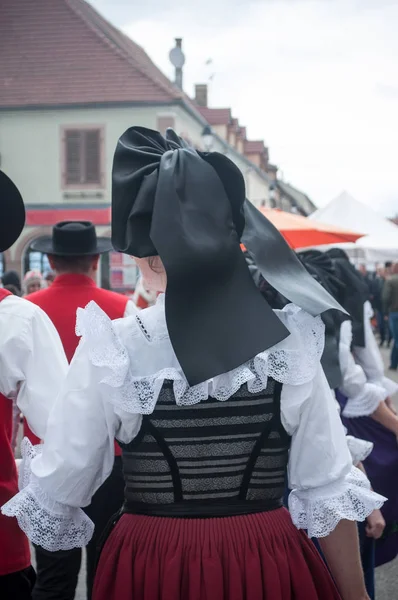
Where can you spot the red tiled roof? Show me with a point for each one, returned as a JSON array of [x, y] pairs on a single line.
[[216, 116], [252, 147], [61, 52]]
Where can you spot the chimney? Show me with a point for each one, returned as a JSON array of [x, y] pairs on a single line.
[[201, 94], [177, 59]]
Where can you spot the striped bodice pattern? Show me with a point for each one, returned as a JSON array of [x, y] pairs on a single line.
[[212, 451]]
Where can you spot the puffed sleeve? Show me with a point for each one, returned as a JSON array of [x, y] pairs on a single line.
[[32, 363], [77, 456], [326, 488], [370, 359], [363, 397]]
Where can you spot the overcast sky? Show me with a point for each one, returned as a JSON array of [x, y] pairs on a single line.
[[316, 79]]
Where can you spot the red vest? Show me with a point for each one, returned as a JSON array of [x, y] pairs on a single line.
[[14, 546], [61, 300]]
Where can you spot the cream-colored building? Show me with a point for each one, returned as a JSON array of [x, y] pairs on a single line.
[[68, 90]]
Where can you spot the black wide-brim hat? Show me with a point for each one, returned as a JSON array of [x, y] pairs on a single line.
[[73, 238], [189, 208], [12, 213]]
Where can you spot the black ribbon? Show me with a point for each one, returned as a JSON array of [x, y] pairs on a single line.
[[189, 208]]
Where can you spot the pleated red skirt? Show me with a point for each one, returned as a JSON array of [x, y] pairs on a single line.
[[253, 557]]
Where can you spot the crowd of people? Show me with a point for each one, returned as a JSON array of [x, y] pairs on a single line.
[[383, 292], [192, 438]]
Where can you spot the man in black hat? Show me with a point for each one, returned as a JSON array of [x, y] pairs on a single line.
[[73, 251], [32, 367]]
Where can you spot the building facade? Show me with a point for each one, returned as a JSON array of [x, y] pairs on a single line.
[[70, 84]]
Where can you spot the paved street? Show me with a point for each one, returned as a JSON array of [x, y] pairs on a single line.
[[387, 576]]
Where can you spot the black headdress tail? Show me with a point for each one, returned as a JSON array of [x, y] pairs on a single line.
[[189, 208], [355, 294], [320, 266]]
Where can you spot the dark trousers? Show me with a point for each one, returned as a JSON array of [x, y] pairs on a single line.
[[394, 330], [383, 327], [17, 586], [57, 572]]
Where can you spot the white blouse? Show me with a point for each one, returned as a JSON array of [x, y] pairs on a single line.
[[32, 360], [364, 382], [116, 377], [370, 357]]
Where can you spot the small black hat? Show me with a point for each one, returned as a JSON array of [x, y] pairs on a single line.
[[12, 212], [73, 238]]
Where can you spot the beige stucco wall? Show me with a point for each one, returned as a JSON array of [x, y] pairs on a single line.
[[30, 149], [30, 146]]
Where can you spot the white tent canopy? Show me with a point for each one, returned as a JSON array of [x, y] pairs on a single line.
[[381, 240]]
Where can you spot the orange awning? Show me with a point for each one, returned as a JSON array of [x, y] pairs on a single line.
[[301, 232]]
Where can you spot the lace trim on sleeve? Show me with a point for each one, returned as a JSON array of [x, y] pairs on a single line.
[[366, 402], [47, 523], [359, 449], [294, 361], [319, 510], [388, 384]]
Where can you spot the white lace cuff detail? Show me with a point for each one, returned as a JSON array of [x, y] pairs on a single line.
[[293, 361], [366, 402], [47, 523], [388, 384], [319, 510], [359, 449]]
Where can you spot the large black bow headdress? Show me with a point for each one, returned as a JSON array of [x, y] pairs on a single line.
[[189, 208]]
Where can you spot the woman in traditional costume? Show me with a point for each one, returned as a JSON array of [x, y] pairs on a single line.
[[211, 395]]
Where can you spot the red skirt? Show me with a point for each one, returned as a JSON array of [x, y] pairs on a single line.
[[252, 557]]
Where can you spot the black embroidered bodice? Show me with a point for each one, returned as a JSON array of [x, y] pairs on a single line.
[[193, 459]]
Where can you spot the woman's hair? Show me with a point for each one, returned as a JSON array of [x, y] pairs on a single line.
[[30, 278], [13, 289], [11, 278]]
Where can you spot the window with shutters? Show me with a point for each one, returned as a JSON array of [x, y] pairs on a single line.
[[83, 157], [164, 122]]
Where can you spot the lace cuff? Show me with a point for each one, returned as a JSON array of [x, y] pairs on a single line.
[[294, 361], [319, 510], [389, 385], [359, 449], [366, 402], [47, 523]]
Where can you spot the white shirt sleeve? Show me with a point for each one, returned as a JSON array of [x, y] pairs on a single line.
[[77, 456], [32, 360], [363, 397], [370, 359], [325, 486], [130, 309]]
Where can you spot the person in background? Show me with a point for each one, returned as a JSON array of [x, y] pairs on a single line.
[[32, 367], [32, 282], [390, 303], [143, 298], [11, 278], [388, 269], [73, 252], [49, 278], [377, 304], [367, 410]]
